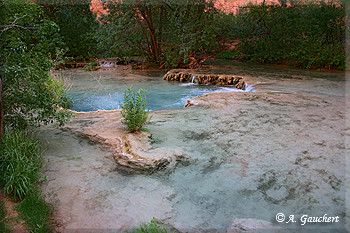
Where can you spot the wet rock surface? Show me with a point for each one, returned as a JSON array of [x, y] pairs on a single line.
[[252, 226], [214, 79], [284, 151], [131, 151]]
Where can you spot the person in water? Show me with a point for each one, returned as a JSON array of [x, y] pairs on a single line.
[[188, 104]]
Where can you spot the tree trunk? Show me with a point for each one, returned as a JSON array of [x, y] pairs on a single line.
[[1, 111], [147, 16]]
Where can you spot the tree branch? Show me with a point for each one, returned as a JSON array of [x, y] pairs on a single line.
[[12, 25]]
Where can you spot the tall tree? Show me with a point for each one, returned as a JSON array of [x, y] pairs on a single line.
[[77, 24], [165, 32]]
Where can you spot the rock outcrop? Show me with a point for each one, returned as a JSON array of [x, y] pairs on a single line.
[[215, 79], [131, 151], [137, 153]]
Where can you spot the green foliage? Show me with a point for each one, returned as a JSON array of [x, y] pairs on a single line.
[[91, 66], [20, 163], [28, 43], [77, 25], [308, 35], [229, 54], [20, 166], [134, 109], [167, 33], [118, 37], [36, 212], [149, 227]]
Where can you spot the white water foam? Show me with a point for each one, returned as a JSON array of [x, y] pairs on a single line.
[[248, 88], [192, 81], [187, 84], [199, 92]]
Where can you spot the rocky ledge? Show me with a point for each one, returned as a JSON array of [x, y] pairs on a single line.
[[131, 151], [215, 79]]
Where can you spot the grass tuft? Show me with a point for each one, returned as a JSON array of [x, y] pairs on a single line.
[[20, 167], [150, 227], [20, 163], [35, 212]]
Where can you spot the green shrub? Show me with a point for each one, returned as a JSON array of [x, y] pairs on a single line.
[[229, 54], [94, 65], [134, 109], [35, 212], [309, 35], [150, 227], [20, 163]]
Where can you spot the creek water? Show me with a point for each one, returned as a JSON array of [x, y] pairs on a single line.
[[252, 157], [104, 89]]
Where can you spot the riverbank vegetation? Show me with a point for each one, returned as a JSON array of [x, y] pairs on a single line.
[[168, 34], [29, 45], [29, 96], [3, 217], [36, 212], [20, 163], [20, 168], [309, 35], [306, 35], [77, 26]]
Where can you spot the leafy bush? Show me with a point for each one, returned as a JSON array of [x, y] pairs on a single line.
[[229, 54], [27, 53], [94, 65], [134, 109], [36, 212], [303, 34], [20, 162], [150, 227]]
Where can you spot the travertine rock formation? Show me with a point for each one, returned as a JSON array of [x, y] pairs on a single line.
[[214, 79]]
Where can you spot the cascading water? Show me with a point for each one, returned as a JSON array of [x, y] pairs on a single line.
[[193, 77], [108, 64]]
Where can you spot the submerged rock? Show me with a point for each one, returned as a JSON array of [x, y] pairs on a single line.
[[215, 79]]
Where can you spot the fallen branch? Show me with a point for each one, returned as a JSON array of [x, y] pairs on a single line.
[[110, 97]]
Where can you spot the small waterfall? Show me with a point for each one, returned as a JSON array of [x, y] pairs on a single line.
[[108, 64], [192, 81], [249, 88]]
